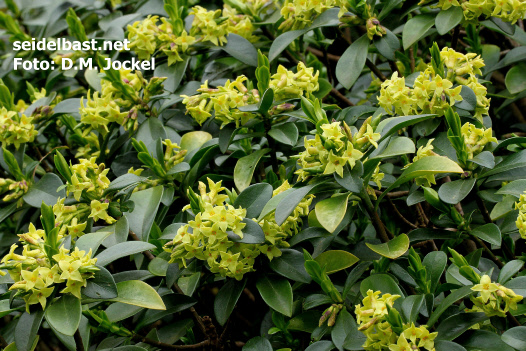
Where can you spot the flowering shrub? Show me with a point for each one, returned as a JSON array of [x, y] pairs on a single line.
[[288, 175]]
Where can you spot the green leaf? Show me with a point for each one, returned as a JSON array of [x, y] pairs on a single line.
[[425, 166], [252, 233], [124, 181], [444, 345], [327, 19], [286, 133], [345, 333], [392, 125], [393, 249], [515, 188], [254, 198], [387, 44], [518, 285], [138, 293], [291, 264], [91, 241], [146, 206], [448, 19], [469, 99], [158, 267], [397, 146], [351, 63], [516, 79], [484, 340], [448, 301], [174, 74], [45, 190], [245, 167], [122, 250], [488, 232], [322, 345], [484, 159], [457, 324], [26, 330], [241, 49], [101, 286], [330, 212], [509, 270], [351, 180], [422, 234], [276, 292], [174, 303], [258, 343], [435, 263], [64, 314], [336, 260], [454, 192], [382, 282], [226, 299], [149, 132], [194, 140], [266, 101], [514, 161], [514, 55], [516, 338], [188, 284], [289, 202], [416, 28], [411, 306], [274, 202]]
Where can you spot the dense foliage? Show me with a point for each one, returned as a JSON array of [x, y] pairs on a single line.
[[293, 175]]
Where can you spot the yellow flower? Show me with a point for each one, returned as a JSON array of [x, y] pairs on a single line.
[[486, 287]]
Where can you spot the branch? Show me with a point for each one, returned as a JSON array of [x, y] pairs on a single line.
[[489, 252], [79, 345], [341, 97], [375, 70], [400, 215], [199, 346], [3, 343]]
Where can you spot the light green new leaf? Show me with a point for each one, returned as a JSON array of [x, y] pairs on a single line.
[[424, 166], [392, 249], [194, 140], [336, 260], [245, 167], [330, 212], [138, 293], [64, 314]]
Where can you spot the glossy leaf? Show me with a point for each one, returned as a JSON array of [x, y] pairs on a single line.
[[138, 293], [245, 167], [64, 314], [351, 63], [330, 212], [336, 260], [393, 249], [276, 292]]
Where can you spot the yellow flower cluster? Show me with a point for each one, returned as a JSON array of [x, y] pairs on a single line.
[[214, 26], [289, 85], [506, 10], [36, 275], [148, 35], [494, 299], [331, 150], [431, 92], [17, 188], [414, 339], [299, 14], [226, 100], [521, 218], [15, 129], [104, 108], [89, 177], [476, 138], [371, 317], [206, 237]]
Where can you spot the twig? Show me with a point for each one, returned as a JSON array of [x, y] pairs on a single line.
[[454, 39], [394, 194], [3, 343], [400, 215], [146, 253], [422, 214], [78, 341], [43, 157], [394, 68], [489, 252], [375, 70], [375, 219], [513, 319], [412, 59], [341, 97], [199, 346]]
